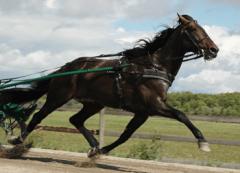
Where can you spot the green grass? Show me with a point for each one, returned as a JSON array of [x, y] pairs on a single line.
[[161, 126], [168, 150]]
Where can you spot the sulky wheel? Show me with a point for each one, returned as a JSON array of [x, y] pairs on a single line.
[[11, 128], [13, 118]]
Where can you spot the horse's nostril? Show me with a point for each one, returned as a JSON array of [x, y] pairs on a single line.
[[214, 50]]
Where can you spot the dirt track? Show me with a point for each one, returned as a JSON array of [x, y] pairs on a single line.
[[49, 161]]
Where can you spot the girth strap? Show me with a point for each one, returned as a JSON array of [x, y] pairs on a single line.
[[118, 82], [158, 74], [119, 89]]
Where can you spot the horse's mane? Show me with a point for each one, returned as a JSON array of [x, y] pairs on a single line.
[[147, 46]]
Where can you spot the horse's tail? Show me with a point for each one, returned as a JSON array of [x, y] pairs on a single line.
[[24, 95]]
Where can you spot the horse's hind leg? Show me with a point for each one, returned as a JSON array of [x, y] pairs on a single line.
[[79, 118], [52, 103], [173, 113]]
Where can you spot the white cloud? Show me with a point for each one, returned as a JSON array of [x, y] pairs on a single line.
[[211, 81], [80, 9], [13, 62], [35, 35], [51, 3], [129, 39], [121, 30]]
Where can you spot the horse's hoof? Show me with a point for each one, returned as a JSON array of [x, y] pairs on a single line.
[[204, 146], [15, 140], [94, 152]]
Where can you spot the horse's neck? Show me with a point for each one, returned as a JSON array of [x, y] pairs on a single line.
[[169, 57]]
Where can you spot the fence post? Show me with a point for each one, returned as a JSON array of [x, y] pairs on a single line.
[[101, 127]]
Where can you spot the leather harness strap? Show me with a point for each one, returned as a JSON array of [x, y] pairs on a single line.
[[151, 73], [118, 83], [158, 74]]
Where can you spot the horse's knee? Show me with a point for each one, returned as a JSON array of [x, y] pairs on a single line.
[[76, 121], [73, 120]]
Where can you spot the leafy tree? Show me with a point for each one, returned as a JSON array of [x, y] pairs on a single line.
[[227, 104]]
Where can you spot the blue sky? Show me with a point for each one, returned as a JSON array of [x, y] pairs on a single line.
[[223, 14], [41, 34], [217, 13]]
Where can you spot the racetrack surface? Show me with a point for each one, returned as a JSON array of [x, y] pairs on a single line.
[[52, 161]]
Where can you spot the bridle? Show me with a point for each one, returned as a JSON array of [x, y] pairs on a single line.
[[196, 42]]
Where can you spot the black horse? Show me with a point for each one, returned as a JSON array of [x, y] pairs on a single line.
[[140, 88]]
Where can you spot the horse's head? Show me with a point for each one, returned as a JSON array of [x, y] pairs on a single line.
[[197, 40]]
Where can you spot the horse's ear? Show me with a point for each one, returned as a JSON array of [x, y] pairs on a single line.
[[182, 19]]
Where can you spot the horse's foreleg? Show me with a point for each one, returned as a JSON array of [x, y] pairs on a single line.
[[132, 126], [173, 113], [78, 120]]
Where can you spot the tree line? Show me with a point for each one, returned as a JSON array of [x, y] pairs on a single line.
[[226, 104]]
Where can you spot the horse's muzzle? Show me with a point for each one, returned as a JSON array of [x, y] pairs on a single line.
[[211, 53]]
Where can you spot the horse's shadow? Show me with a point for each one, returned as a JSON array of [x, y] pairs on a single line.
[[74, 163]]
